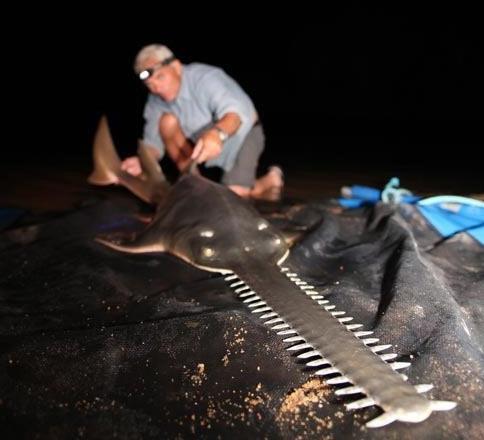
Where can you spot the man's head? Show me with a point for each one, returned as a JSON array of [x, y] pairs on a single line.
[[158, 68]]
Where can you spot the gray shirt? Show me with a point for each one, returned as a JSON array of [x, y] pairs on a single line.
[[206, 94]]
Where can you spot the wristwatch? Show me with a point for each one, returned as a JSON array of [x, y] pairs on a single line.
[[223, 135]]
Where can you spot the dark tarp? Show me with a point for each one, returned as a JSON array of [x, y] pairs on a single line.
[[97, 344]]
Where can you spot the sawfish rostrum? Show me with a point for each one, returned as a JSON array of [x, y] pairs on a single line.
[[208, 226]]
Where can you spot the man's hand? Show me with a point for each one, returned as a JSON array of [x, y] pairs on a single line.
[[132, 166], [208, 146]]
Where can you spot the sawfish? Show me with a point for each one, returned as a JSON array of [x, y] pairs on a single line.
[[210, 227]]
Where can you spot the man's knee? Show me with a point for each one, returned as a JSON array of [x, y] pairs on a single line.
[[168, 123]]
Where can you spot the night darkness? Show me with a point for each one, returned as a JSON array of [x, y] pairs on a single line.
[[100, 344], [350, 87]]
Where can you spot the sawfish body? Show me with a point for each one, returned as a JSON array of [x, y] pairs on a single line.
[[208, 226]]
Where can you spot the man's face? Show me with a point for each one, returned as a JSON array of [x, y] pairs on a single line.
[[165, 80]]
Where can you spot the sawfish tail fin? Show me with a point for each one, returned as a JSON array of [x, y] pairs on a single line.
[[151, 186]]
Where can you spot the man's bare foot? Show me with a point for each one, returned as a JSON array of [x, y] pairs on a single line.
[[241, 191], [270, 186]]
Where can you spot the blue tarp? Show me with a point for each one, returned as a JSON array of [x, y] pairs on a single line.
[[452, 214], [448, 215]]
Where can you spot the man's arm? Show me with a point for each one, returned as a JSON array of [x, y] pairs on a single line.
[[210, 144]]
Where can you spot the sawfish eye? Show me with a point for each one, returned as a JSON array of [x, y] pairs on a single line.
[[208, 252]]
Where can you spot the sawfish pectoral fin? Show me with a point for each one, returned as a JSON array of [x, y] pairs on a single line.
[[131, 247]]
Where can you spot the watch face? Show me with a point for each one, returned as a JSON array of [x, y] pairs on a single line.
[[221, 134]]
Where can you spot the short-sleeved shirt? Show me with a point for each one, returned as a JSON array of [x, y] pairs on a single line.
[[206, 94]]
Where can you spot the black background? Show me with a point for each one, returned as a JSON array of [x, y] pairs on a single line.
[[352, 86]]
